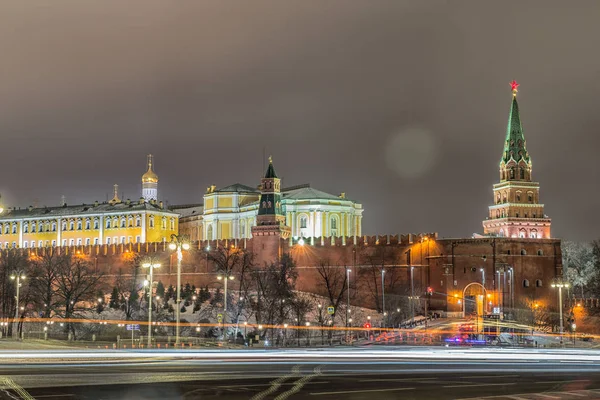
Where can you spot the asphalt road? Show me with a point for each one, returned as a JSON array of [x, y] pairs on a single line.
[[325, 374]]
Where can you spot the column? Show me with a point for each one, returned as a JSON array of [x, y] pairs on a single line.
[[359, 227], [313, 223], [58, 231], [343, 227], [101, 229], [21, 233], [143, 238], [290, 222]]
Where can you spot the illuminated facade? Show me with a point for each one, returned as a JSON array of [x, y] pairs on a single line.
[[232, 211], [113, 222], [516, 211]]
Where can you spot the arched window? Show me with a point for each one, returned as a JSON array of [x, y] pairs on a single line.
[[501, 232], [209, 232], [498, 199], [522, 233], [497, 213], [533, 233], [87, 224], [40, 227], [530, 197], [6, 228], [172, 224], [333, 226], [523, 252], [25, 229], [107, 240], [14, 229], [95, 224], [79, 224], [87, 241], [540, 253], [503, 214], [25, 244], [54, 227], [130, 222], [71, 225], [152, 222], [303, 222], [522, 173], [32, 227], [538, 283], [525, 283], [123, 222], [108, 224], [164, 223], [518, 196], [138, 221], [64, 225], [115, 222], [512, 173]]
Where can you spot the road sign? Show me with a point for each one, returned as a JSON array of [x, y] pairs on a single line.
[[331, 310], [131, 327], [220, 318]]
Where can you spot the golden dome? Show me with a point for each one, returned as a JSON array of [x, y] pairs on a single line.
[[150, 176]]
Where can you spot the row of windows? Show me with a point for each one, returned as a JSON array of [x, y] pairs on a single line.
[[504, 213], [74, 242], [503, 199], [538, 283], [114, 223]]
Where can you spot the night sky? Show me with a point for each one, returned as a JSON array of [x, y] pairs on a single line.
[[401, 104]]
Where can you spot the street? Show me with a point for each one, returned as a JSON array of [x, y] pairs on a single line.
[[358, 373]]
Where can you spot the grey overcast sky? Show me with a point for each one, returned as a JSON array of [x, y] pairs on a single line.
[[401, 104]]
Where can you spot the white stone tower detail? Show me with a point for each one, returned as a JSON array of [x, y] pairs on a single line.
[[150, 183]]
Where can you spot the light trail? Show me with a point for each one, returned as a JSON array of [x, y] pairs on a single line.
[[517, 356]]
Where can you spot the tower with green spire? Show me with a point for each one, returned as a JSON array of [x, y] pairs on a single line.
[[516, 211], [270, 231]]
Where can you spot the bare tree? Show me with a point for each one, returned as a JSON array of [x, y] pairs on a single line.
[[11, 261], [580, 263], [76, 286], [333, 284], [45, 270]]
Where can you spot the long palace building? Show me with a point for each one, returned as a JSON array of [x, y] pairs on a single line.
[[514, 259]]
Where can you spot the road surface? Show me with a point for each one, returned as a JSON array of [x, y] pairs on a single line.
[[357, 373]]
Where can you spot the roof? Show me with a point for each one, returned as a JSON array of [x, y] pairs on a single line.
[[188, 210], [82, 209], [306, 192], [239, 188], [514, 144], [270, 170]]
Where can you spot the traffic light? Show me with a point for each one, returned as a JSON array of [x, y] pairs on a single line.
[[429, 290], [367, 326]]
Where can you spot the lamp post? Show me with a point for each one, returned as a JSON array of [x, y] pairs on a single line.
[[383, 298], [412, 295], [348, 290], [178, 243], [151, 266], [17, 276], [560, 286], [226, 277]]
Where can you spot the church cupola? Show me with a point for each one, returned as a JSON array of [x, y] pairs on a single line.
[[515, 164], [150, 182]]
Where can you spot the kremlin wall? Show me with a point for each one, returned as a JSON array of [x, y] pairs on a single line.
[[513, 262]]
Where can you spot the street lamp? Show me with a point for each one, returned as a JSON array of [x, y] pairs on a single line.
[[225, 277], [17, 277], [348, 270], [383, 297], [151, 266], [178, 243], [560, 286]]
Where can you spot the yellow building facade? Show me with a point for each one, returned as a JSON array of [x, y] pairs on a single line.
[[231, 212], [113, 222]]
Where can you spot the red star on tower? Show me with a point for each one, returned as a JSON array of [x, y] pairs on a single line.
[[514, 86]]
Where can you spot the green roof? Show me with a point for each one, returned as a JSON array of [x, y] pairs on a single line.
[[239, 188], [306, 192], [270, 170], [514, 144]]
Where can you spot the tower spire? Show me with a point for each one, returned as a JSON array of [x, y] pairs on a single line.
[[115, 198], [516, 210]]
